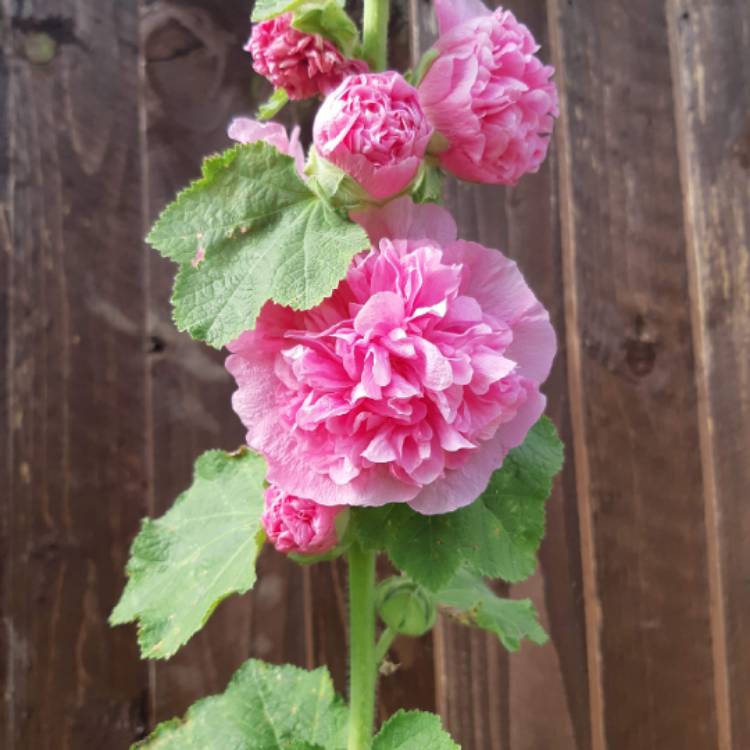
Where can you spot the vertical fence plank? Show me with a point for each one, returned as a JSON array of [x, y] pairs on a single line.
[[73, 371], [196, 77], [631, 369], [711, 61], [539, 697]]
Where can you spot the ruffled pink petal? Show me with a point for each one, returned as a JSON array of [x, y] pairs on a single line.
[[247, 130], [373, 128], [405, 219], [450, 13], [426, 360], [460, 487]]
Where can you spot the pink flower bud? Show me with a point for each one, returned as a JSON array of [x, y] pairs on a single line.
[[304, 65], [297, 525], [373, 128], [488, 94], [246, 130]]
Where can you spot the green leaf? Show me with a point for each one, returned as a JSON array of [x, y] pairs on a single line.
[[428, 187], [329, 19], [241, 191], [201, 551], [265, 9], [498, 536], [265, 707], [413, 730], [505, 528], [264, 234], [275, 103], [425, 547], [474, 603]]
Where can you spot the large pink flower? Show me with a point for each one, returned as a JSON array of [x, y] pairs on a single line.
[[294, 524], [488, 94], [304, 65], [410, 383], [373, 128]]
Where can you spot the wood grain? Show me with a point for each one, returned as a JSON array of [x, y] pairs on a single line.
[[710, 44], [631, 364], [73, 372]]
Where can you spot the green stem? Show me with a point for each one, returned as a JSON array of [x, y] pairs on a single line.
[[375, 33], [362, 664], [384, 644]]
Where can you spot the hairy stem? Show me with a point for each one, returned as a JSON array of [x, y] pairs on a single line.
[[362, 664], [375, 33]]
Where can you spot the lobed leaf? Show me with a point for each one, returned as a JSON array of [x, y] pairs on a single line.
[[413, 730], [201, 551], [330, 20], [262, 235], [474, 603], [265, 707], [498, 536]]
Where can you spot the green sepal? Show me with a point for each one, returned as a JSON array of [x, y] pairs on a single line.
[[330, 20], [471, 601], [333, 185], [428, 187], [201, 551], [273, 105], [265, 9], [265, 707]]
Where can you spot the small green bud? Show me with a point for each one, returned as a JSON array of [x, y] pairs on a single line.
[[405, 607]]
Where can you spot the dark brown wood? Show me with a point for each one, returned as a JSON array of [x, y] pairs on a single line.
[[710, 46], [73, 377], [636, 431]]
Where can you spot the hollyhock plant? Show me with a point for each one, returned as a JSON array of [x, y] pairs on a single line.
[[303, 65], [410, 383], [388, 373], [373, 128], [296, 525], [488, 94]]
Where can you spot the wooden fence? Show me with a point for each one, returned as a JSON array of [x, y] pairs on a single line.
[[635, 234]]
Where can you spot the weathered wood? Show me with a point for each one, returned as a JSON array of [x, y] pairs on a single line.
[[73, 376], [196, 77], [631, 364], [710, 43]]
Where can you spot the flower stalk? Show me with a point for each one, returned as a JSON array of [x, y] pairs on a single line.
[[375, 33], [362, 662]]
